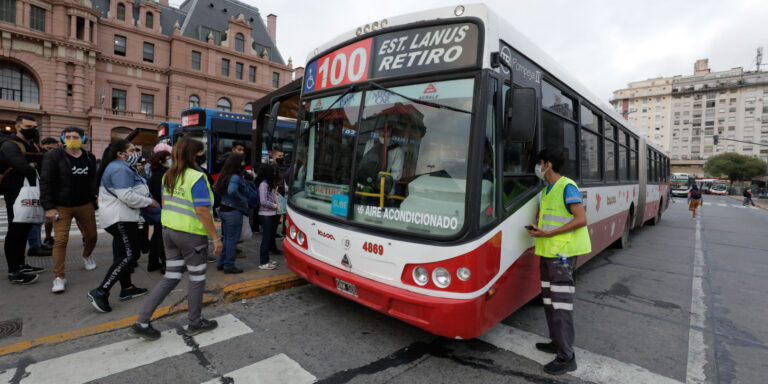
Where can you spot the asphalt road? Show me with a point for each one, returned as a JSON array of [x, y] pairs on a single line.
[[676, 306]]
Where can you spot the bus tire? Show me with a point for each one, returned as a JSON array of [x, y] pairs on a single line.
[[623, 242], [656, 219]]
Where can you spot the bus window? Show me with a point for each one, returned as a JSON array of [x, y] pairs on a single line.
[[559, 133], [610, 152], [590, 145], [488, 183]]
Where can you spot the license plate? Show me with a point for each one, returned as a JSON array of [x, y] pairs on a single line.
[[345, 287]]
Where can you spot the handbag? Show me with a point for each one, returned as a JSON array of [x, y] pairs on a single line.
[[246, 232], [27, 207]]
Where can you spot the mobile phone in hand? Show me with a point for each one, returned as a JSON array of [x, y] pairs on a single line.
[[529, 227]]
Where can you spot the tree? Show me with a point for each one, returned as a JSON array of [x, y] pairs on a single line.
[[735, 166]]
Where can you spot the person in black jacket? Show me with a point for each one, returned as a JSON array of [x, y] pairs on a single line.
[[68, 190], [19, 159], [158, 166]]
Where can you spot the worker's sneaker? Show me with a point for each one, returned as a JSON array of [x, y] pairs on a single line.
[[559, 367], [204, 326], [90, 263], [146, 333], [550, 347], [130, 293], [59, 285], [99, 300]]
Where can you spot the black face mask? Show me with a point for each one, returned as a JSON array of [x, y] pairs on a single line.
[[29, 134], [280, 160], [201, 160]]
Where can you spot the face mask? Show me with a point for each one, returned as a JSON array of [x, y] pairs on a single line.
[[169, 163], [29, 134], [73, 143], [541, 174], [132, 159], [280, 160], [200, 160]]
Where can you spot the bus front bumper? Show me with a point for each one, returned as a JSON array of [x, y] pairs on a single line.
[[452, 318]]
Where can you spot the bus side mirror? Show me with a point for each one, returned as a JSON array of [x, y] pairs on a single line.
[[273, 118], [520, 114]]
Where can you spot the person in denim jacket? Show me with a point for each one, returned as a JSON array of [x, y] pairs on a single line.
[[234, 205]]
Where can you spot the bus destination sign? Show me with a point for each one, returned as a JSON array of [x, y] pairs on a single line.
[[398, 53]]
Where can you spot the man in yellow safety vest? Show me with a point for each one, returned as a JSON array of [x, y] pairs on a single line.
[[561, 235]]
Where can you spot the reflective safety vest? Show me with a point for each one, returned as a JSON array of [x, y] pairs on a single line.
[[553, 214], [179, 206]]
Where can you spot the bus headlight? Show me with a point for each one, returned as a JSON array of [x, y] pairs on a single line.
[[292, 232], [441, 277], [463, 273], [420, 276], [300, 238]]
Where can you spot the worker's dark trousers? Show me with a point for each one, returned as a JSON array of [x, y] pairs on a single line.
[[557, 290]]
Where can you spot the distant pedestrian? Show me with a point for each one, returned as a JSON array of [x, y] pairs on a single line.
[[748, 197], [158, 165], [233, 209], [694, 199], [188, 222], [18, 161], [561, 235], [122, 193], [68, 191], [268, 207]]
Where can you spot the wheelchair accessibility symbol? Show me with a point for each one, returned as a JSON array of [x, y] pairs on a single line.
[[310, 84]]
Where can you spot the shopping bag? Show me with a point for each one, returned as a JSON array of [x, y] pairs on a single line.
[[246, 232], [27, 207]]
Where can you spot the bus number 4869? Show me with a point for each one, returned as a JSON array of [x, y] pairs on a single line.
[[376, 249]]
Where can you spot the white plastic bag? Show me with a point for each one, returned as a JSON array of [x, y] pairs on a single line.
[[246, 232], [27, 207]]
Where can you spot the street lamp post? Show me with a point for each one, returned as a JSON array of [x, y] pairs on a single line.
[[101, 150]]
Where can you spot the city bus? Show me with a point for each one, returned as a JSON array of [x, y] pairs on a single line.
[[680, 184], [719, 187], [217, 130], [165, 131], [414, 167]]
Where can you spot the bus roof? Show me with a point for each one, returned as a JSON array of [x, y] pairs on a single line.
[[219, 114], [495, 27]]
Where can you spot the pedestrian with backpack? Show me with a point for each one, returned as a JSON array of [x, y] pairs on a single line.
[[694, 199], [19, 161]]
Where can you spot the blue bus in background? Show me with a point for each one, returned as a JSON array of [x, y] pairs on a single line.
[[217, 130], [165, 131]]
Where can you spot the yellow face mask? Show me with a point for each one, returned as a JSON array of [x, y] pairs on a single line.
[[73, 144]]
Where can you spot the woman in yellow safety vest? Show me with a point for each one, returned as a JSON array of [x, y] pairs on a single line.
[[187, 223]]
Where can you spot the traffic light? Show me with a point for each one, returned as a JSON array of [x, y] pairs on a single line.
[[716, 138]]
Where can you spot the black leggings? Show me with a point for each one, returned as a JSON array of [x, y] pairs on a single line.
[[16, 237], [126, 236]]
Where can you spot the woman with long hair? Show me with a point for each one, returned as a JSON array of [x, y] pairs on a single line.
[[234, 205], [187, 222], [694, 199], [267, 180], [122, 193], [158, 165]]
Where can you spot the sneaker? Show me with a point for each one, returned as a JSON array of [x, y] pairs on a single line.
[[212, 259], [273, 262], [268, 266], [99, 300], [90, 263], [204, 326], [47, 247], [39, 252], [49, 242], [232, 271], [559, 367], [59, 285], [130, 293], [550, 347], [26, 268], [146, 333], [21, 278]]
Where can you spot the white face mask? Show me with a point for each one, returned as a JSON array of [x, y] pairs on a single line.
[[541, 174]]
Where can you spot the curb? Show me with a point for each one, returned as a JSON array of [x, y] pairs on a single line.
[[260, 287], [96, 329]]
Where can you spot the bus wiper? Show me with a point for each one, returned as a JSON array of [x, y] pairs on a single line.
[[422, 102], [330, 108]]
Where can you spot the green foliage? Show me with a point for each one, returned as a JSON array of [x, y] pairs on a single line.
[[735, 166]]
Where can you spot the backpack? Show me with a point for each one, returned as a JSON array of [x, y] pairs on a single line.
[[695, 194], [8, 169]]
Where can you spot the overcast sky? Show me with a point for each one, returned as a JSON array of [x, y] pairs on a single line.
[[604, 44]]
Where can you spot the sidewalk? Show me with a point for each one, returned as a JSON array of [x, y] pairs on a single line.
[[32, 315]]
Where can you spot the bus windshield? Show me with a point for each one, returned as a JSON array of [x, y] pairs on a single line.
[[679, 183], [405, 162]]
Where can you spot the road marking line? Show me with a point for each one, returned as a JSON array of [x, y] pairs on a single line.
[[276, 369], [697, 357], [722, 205], [707, 203], [121, 356], [591, 366]]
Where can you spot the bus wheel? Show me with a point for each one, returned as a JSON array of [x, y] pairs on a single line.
[[656, 218], [623, 241]]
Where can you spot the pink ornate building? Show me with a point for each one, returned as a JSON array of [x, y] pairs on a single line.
[[142, 60]]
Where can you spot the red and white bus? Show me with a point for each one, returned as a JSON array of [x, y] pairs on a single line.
[[413, 175]]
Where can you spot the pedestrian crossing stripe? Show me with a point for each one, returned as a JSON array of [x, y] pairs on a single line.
[[276, 369], [118, 357], [591, 366]]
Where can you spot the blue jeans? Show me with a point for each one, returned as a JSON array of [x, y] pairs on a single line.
[[231, 228], [34, 236], [267, 236]]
